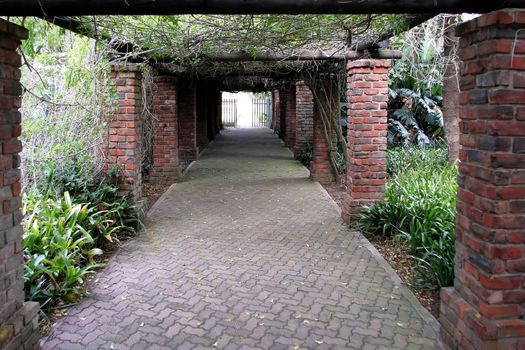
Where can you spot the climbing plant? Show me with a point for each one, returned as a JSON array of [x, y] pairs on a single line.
[[189, 39], [66, 90], [326, 92]]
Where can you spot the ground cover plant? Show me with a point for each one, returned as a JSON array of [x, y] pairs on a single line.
[[419, 211], [73, 213], [66, 233]]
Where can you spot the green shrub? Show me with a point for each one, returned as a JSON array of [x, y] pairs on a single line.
[[305, 158], [400, 159], [419, 210], [63, 235]]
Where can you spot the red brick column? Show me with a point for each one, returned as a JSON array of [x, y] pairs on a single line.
[[187, 120], [202, 122], [216, 96], [18, 319], [210, 125], [320, 168], [276, 117], [219, 109], [282, 113], [125, 129], [305, 117], [291, 117], [486, 307], [367, 89], [165, 167]]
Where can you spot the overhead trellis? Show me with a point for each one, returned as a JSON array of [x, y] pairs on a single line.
[[251, 52], [189, 40]]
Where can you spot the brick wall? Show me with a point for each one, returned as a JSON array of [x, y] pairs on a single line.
[[125, 129], [165, 168], [305, 118], [216, 97], [187, 120], [291, 117], [276, 119], [367, 90], [282, 113], [320, 168], [18, 319], [202, 127], [486, 307], [210, 110]]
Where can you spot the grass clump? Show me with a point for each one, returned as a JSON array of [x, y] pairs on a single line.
[[419, 211]]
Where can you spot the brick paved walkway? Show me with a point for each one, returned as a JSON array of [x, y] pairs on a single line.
[[246, 253]]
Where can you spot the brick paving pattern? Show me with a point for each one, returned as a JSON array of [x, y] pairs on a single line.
[[246, 253]]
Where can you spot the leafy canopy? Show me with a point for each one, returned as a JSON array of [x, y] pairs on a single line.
[[189, 36]]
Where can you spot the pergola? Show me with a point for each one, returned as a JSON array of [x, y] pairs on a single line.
[[485, 308]]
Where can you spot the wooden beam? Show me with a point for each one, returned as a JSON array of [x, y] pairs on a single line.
[[298, 55], [170, 7]]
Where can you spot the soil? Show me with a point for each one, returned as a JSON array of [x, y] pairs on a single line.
[[337, 193], [152, 192], [397, 256]]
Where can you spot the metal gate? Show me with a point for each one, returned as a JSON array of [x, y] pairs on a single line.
[[261, 112], [229, 113]]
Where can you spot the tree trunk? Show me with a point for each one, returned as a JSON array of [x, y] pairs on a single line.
[[451, 90]]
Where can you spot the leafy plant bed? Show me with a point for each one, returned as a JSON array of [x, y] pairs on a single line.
[[151, 193], [399, 258], [61, 309]]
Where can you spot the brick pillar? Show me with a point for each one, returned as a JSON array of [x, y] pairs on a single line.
[[320, 168], [209, 113], [367, 89], [486, 307], [291, 118], [202, 125], [187, 121], [219, 109], [125, 129], [18, 319], [276, 117], [305, 118], [282, 113], [165, 167], [216, 96]]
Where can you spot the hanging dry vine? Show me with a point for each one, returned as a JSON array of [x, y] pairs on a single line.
[[148, 118], [326, 91]]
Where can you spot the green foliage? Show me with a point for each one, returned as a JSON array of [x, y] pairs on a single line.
[[414, 118], [399, 159], [422, 63], [66, 88], [190, 39], [416, 85], [305, 158], [341, 161], [419, 211], [64, 233], [65, 228]]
